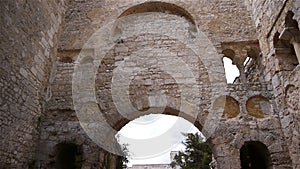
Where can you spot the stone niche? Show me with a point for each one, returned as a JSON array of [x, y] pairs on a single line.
[[228, 105], [258, 106]]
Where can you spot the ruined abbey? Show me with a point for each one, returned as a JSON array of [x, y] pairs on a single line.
[[74, 72]]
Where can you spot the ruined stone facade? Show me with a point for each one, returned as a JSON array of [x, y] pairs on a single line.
[[174, 51]]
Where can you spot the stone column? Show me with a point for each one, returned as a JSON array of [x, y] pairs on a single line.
[[295, 41], [241, 68]]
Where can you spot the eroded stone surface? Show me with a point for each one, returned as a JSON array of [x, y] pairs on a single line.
[[41, 43]]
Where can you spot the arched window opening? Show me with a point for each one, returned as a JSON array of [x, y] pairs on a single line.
[[255, 155], [69, 156], [286, 59], [289, 21], [156, 138], [287, 44], [232, 72]]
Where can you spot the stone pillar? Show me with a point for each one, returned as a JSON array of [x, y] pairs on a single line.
[[296, 43], [241, 68]]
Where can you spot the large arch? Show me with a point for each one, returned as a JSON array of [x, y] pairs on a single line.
[[174, 58], [143, 135], [156, 6]]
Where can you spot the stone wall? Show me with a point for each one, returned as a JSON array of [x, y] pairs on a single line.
[[255, 116], [28, 42], [62, 127], [233, 131], [219, 19], [170, 60], [279, 58]]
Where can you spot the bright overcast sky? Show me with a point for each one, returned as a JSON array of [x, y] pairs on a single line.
[[231, 70], [158, 135]]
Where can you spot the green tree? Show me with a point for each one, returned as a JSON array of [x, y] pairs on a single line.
[[197, 154], [123, 160]]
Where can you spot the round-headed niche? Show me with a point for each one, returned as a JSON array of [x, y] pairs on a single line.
[[228, 105], [258, 106], [255, 155], [68, 156]]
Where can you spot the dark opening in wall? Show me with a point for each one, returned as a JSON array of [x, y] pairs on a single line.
[[67, 56], [69, 156], [285, 54], [66, 60], [287, 44], [294, 56], [255, 155], [289, 21]]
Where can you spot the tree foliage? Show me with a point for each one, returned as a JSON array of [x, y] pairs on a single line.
[[123, 159], [197, 155]]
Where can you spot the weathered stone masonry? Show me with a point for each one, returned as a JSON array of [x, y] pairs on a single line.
[[41, 44], [28, 48]]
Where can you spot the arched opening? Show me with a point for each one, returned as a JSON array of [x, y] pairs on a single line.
[[155, 139], [289, 43], [232, 72], [69, 156], [286, 59], [162, 7], [255, 155], [242, 62]]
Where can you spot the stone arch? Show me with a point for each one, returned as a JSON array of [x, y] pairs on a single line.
[[68, 156], [229, 53], [252, 52], [258, 106], [153, 8], [163, 7], [255, 155], [90, 110], [229, 106], [159, 136], [245, 56]]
